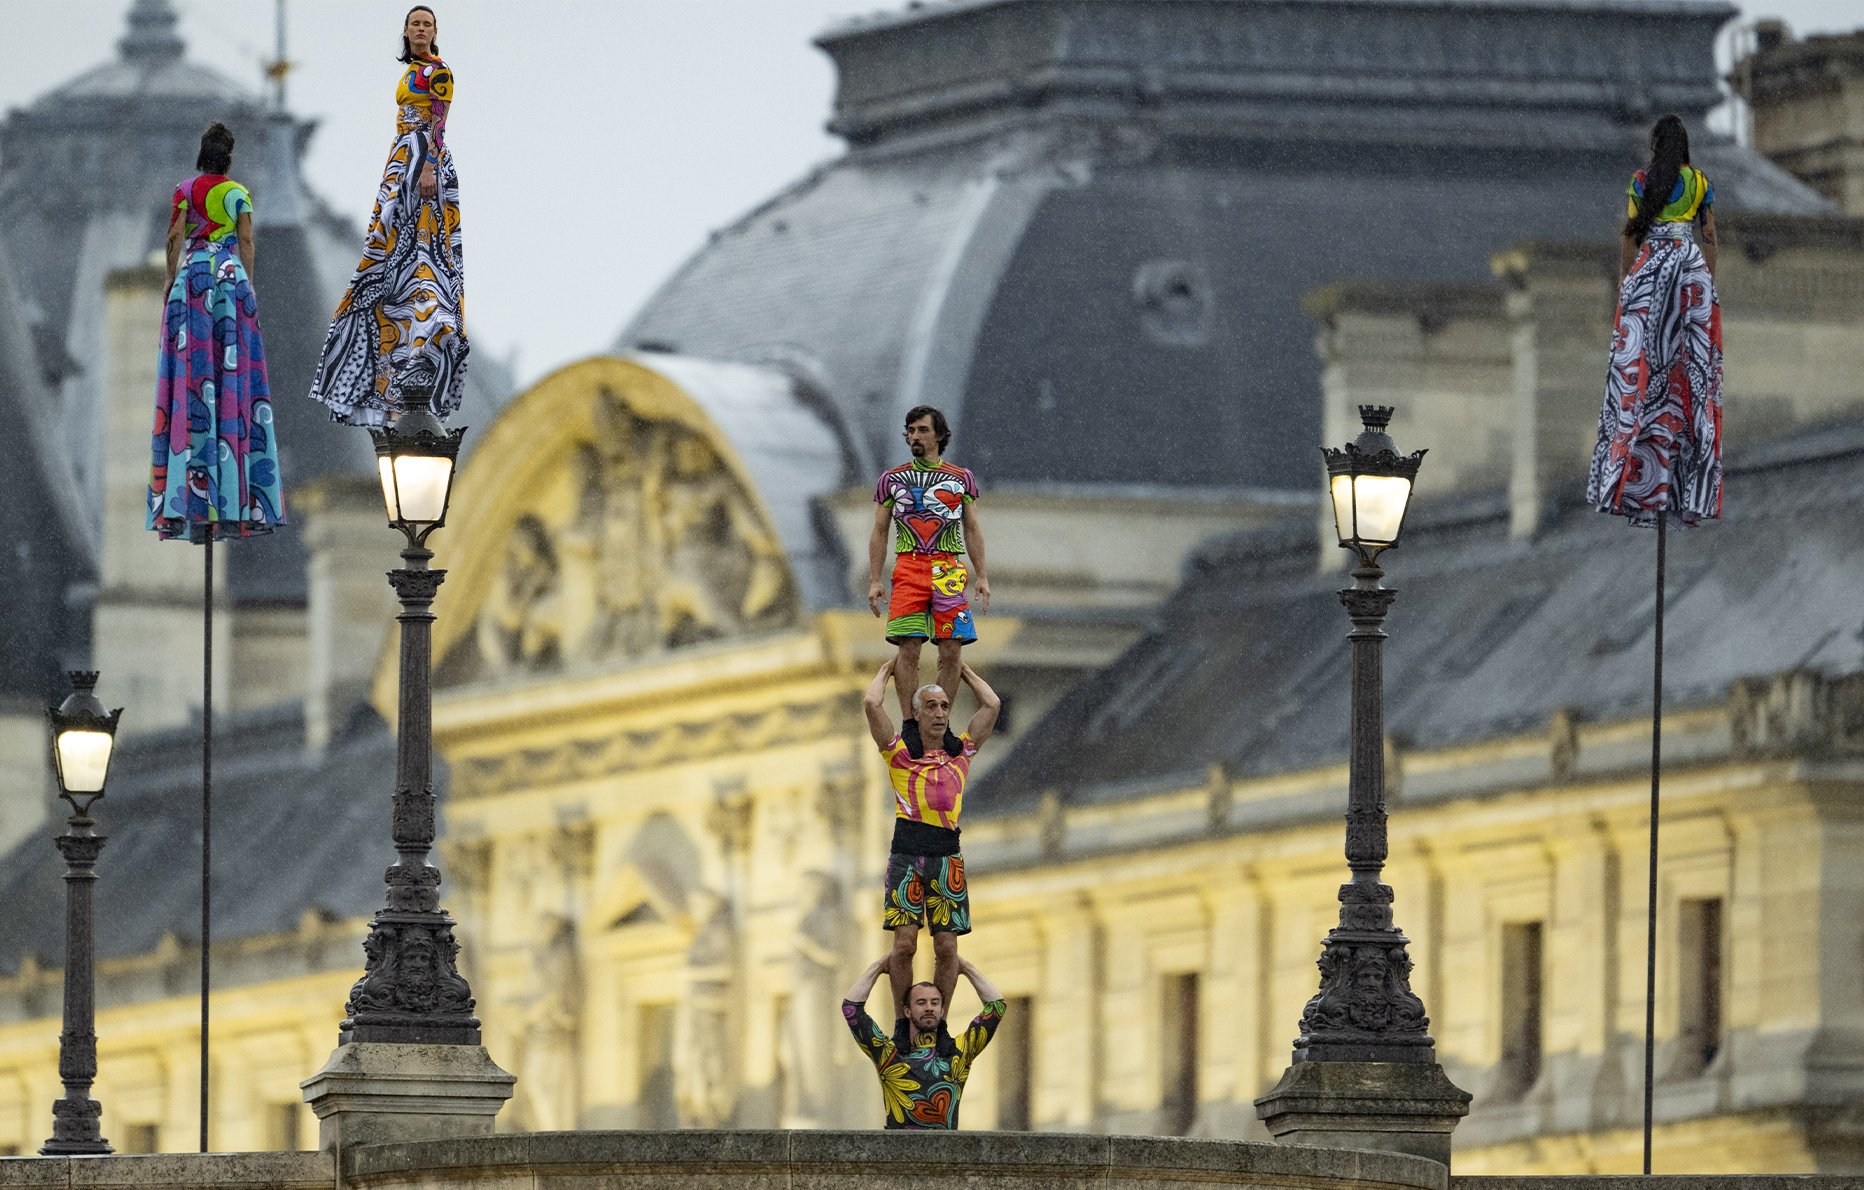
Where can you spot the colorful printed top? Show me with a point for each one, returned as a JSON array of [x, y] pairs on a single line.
[[210, 206], [1691, 194], [929, 788], [928, 506], [427, 87], [922, 1087]]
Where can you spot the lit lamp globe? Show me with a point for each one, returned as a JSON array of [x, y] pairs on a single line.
[[1370, 483], [83, 736], [415, 458]]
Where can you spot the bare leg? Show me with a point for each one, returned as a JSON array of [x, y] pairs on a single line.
[[906, 675], [950, 661], [945, 966], [900, 970]]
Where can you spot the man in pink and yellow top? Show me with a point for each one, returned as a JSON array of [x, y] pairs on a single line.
[[925, 873]]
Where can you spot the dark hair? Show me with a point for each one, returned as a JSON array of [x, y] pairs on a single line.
[[407, 51], [938, 423], [216, 156], [924, 983], [1669, 153]]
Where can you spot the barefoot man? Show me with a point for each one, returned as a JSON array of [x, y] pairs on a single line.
[[925, 873], [928, 503]]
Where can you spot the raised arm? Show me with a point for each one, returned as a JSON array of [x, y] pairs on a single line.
[[974, 550], [986, 990], [865, 984], [877, 556], [988, 704], [879, 723]]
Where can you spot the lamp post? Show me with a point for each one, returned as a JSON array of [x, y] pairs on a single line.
[[1364, 1073], [411, 991], [82, 739]]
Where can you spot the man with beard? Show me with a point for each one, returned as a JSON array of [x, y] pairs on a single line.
[[922, 1072], [929, 504]]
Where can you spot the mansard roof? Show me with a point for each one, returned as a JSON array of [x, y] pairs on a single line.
[[293, 831], [1489, 635], [1082, 227]]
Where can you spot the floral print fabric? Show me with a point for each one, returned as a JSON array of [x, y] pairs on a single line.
[[927, 890], [215, 464], [402, 324], [1659, 450], [919, 1085]]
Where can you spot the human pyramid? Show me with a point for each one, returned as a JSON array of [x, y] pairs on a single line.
[[926, 506]]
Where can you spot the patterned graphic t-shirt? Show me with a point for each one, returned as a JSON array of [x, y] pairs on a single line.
[[210, 207], [920, 1086], [928, 788], [1691, 193], [928, 506]]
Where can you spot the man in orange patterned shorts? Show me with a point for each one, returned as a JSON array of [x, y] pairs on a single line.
[[928, 503]]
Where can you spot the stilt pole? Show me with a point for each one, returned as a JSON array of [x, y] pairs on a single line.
[[207, 806], [1656, 777]]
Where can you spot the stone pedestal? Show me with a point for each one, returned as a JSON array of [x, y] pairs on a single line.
[[375, 1091], [1392, 1107]]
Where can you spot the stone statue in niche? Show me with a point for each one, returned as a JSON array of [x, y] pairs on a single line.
[[664, 547], [811, 1021], [549, 1032], [703, 1065]]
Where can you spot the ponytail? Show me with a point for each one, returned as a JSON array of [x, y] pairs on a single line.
[[1669, 153]]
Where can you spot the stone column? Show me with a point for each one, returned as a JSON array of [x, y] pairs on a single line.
[[349, 606]]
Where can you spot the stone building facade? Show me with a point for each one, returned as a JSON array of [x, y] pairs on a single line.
[[665, 823]]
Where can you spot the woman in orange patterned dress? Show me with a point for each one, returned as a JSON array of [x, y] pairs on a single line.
[[398, 340]]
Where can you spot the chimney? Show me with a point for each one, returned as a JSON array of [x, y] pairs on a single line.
[[146, 624], [1560, 306], [350, 604]]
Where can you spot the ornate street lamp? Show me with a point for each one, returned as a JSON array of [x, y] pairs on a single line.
[[1364, 1072], [411, 991], [1365, 1010], [83, 737]]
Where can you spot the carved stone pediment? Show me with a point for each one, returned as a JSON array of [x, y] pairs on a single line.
[[637, 534]]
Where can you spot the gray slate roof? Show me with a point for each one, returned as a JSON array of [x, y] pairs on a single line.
[[1082, 227], [1488, 635], [291, 832]]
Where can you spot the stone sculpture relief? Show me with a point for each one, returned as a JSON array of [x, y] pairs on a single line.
[[703, 1083], [549, 1032], [812, 1022], [663, 548]]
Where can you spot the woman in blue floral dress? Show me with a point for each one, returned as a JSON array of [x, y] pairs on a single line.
[[215, 466]]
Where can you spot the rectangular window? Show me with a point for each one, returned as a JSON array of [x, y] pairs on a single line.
[[1178, 1054], [1521, 1009], [1699, 951], [140, 1138], [1015, 1068], [654, 1105]]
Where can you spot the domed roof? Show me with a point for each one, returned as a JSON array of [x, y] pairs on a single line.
[[150, 63], [1082, 227]]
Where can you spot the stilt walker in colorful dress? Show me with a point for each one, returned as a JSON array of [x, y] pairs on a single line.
[[1660, 430], [215, 466], [929, 505], [398, 340]]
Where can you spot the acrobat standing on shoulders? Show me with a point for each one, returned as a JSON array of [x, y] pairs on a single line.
[[925, 882], [929, 504]]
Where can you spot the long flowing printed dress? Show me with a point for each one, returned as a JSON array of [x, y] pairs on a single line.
[[215, 466], [1660, 429], [402, 324]]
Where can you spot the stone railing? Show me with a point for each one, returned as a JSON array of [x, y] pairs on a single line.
[[695, 1160]]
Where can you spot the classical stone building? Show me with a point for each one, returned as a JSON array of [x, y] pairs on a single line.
[[665, 822]]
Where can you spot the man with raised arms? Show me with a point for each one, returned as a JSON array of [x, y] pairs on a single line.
[[925, 872], [928, 504], [922, 1073]]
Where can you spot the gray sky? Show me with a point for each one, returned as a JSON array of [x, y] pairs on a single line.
[[597, 141]]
